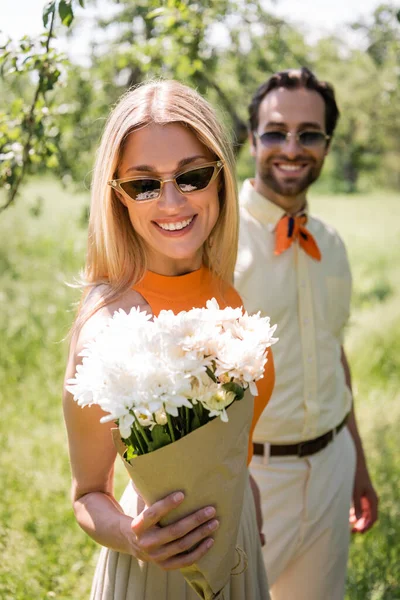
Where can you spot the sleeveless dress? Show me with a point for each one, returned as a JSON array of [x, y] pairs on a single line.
[[123, 577]]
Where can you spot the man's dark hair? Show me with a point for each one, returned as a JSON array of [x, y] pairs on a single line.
[[293, 79]]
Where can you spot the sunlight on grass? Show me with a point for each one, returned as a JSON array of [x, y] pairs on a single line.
[[42, 246], [370, 227]]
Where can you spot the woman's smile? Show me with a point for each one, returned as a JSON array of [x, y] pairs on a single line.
[[176, 226]]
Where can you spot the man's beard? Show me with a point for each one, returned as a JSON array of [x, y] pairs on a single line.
[[292, 187]]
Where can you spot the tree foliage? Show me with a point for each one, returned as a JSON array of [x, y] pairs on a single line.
[[29, 136], [219, 47], [225, 49]]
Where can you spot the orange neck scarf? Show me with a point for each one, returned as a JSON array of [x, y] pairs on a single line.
[[291, 228]]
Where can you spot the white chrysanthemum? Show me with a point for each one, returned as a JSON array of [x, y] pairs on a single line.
[[159, 384], [213, 397], [144, 417], [256, 329], [217, 404], [161, 417], [172, 348], [133, 320], [125, 425], [215, 313], [191, 332], [242, 362], [202, 388]]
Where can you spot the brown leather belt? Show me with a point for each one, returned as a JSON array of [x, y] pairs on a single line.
[[303, 448]]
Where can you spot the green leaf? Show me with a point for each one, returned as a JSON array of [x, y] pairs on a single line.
[[130, 453], [197, 65], [66, 13], [82, 3], [160, 438], [195, 422], [155, 13], [170, 21], [48, 9], [211, 375], [52, 162], [235, 388]]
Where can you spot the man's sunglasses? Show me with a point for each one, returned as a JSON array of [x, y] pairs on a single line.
[[146, 189], [307, 138]]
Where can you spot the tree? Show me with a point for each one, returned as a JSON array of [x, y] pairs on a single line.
[[223, 48], [366, 81], [381, 33], [28, 133]]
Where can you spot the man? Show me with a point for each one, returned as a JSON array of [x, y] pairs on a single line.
[[309, 461]]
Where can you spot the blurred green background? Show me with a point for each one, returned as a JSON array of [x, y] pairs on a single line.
[[43, 238]]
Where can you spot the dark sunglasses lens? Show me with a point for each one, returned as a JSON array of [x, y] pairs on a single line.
[[311, 138], [141, 190], [273, 138], [194, 180]]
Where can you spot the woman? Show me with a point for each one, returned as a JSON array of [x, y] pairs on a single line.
[[162, 234]]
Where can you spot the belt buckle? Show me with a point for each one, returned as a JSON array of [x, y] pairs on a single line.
[[301, 452]]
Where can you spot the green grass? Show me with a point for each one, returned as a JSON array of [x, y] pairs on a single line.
[[42, 245], [370, 226]]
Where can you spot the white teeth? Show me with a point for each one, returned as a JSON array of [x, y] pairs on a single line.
[[175, 226], [290, 167]]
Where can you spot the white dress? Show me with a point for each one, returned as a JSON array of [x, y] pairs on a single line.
[[123, 577]]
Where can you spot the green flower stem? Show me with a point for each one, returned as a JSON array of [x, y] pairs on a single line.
[[201, 411], [195, 409], [187, 421], [171, 428], [143, 433], [211, 374], [136, 443]]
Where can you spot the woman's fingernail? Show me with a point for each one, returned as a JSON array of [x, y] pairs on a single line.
[[213, 525], [209, 543], [178, 497], [210, 511]]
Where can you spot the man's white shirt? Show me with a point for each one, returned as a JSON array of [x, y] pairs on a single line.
[[310, 302]]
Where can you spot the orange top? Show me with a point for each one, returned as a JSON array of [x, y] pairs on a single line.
[[192, 291]]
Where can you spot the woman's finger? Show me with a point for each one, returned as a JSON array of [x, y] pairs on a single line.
[[152, 515], [184, 544], [153, 538], [187, 559]]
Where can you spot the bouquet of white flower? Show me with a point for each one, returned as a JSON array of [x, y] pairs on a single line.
[[161, 379]]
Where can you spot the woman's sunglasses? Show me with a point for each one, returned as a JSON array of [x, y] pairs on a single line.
[[307, 139], [146, 189]]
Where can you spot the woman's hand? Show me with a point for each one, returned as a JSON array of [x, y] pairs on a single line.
[[170, 546]]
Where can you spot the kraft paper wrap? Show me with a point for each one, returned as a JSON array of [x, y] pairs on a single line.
[[209, 466]]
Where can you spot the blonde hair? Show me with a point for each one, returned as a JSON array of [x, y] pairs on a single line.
[[115, 253]]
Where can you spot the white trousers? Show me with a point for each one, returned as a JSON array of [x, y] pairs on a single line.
[[305, 505]]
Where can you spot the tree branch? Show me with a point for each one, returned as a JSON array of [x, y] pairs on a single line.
[[239, 126], [30, 124]]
